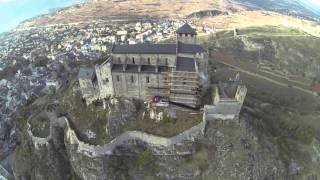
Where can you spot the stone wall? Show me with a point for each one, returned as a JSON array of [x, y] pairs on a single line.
[[88, 91], [225, 109], [158, 145], [137, 84], [241, 94], [86, 155], [37, 141], [128, 85], [141, 84], [105, 80], [133, 84]]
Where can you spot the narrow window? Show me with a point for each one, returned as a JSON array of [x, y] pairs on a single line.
[[166, 61], [118, 78], [119, 60], [147, 79], [149, 61], [107, 80], [133, 62], [132, 80], [191, 35], [180, 35]]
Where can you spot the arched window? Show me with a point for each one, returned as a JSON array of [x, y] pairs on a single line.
[[149, 62], [133, 62], [132, 80], [147, 79], [166, 61], [118, 78], [119, 60]]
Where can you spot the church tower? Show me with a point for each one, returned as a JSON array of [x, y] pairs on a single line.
[[186, 34]]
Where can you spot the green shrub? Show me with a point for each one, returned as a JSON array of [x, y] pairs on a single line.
[[146, 159], [168, 120]]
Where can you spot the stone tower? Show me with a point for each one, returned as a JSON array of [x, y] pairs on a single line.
[[186, 34], [104, 79]]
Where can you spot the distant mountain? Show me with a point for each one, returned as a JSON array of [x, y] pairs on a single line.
[[309, 9], [203, 10]]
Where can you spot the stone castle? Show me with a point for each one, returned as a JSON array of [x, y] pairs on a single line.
[[176, 71]]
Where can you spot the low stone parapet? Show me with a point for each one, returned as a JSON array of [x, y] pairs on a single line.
[[37, 141]]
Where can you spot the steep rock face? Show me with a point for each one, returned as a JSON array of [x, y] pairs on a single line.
[[240, 154], [49, 161], [86, 167], [7, 138], [227, 151]]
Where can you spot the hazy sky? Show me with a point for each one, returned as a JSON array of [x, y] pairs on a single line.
[[14, 11], [313, 5]]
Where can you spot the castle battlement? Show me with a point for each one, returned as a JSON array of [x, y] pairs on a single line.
[[227, 98]]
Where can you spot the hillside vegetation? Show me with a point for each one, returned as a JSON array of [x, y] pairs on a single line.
[[215, 14], [133, 9], [287, 117], [278, 50]]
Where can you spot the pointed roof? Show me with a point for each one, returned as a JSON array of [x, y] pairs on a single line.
[[186, 29]]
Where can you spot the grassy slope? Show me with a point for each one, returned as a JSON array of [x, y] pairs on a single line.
[[169, 126], [285, 49]]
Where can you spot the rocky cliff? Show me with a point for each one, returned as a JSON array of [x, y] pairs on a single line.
[[226, 150]]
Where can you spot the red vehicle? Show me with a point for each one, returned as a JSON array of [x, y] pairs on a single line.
[[160, 101]]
